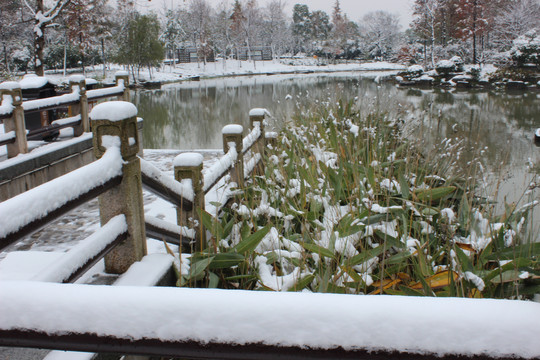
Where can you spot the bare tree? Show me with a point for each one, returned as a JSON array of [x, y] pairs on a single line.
[[514, 20], [275, 27], [381, 33], [43, 18]]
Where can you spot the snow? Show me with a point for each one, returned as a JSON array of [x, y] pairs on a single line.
[[220, 167], [537, 133], [169, 226], [76, 78], [69, 355], [105, 92], [419, 325], [251, 138], [41, 200], [121, 73], [258, 112], [188, 159], [178, 188], [415, 68], [445, 64], [43, 150], [52, 101], [62, 269], [6, 105], [61, 122], [146, 272], [24, 265], [10, 135], [10, 85], [232, 129], [32, 81], [113, 111]]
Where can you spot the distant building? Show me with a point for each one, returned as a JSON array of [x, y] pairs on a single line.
[[191, 55], [257, 53]]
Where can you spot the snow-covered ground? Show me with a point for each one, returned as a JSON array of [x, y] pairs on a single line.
[[178, 72]]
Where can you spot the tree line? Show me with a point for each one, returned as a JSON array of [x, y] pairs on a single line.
[[59, 34]]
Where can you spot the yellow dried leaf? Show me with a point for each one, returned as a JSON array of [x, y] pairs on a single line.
[[437, 281]]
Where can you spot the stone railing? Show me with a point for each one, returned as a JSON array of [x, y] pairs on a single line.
[[13, 110]]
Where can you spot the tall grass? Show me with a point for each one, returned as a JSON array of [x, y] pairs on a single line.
[[347, 204]]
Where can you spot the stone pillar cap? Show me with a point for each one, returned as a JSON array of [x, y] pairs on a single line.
[[113, 111], [232, 129], [188, 159]]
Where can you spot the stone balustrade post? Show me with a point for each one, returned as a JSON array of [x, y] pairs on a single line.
[[188, 168], [234, 134], [77, 82], [122, 78], [119, 119], [11, 92], [257, 118]]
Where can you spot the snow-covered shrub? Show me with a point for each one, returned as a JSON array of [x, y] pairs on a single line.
[[21, 58], [415, 70], [526, 49], [446, 67], [474, 72]]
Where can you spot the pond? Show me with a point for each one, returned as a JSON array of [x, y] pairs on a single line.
[[496, 127]]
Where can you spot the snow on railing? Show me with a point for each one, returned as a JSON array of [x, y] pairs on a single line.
[[7, 138], [137, 320], [251, 165], [105, 92], [163, 185], [219, 168], [52, 102], [251, 138], [91, 248], [13, 109], [36, 204]]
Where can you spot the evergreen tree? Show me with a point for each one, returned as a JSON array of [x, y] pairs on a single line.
[[140, 45], [301, 27]]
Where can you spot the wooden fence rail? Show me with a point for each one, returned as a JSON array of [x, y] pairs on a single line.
[[13, 110]]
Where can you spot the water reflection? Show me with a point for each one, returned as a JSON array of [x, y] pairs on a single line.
[[497, 126]]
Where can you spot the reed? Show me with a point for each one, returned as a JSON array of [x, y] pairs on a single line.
[[348, 205]]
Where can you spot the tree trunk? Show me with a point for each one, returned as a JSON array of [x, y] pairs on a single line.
[[39, 39]]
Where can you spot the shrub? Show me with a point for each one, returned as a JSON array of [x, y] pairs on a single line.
[[526, 49]]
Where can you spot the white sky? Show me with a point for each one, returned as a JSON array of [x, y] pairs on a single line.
[[354, 9]]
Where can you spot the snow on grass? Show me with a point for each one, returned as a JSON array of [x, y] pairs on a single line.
[[497, 328]]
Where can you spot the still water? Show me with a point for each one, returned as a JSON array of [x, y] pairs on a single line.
[[496, 127]]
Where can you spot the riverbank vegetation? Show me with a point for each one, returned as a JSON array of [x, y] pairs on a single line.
[[346, 204]]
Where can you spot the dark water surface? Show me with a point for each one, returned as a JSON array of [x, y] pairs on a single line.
[[496, 127]]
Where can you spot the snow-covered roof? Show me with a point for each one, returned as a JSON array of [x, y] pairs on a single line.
[[32, 81]]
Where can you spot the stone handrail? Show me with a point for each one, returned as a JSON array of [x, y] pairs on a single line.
[[13, 110]]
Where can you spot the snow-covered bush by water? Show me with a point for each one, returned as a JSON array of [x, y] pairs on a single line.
[[526, 49]]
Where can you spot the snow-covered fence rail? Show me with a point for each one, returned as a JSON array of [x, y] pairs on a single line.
[[264, 325], [188, 168], [116, 175], [13, 110]]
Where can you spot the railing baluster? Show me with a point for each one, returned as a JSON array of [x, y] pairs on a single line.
[[118, 119], [78, 83], [233, 134], [11, 91], [188, 167]]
